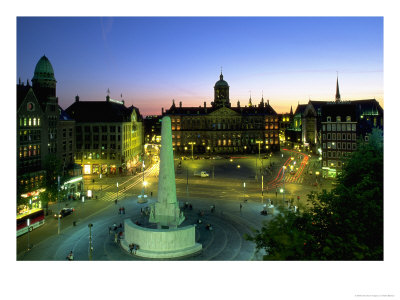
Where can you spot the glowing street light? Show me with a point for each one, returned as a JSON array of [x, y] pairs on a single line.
[[192, 143]]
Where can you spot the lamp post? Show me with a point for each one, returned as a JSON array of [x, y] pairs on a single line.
[[90, 241], [117, 191], [192, 143], [101, 185], [244, 191], [28, 222], [262, 188], [259, 142]]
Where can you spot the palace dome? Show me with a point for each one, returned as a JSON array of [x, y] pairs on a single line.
[[221, 82]]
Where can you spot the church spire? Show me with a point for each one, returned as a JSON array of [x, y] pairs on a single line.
[[337, 96]]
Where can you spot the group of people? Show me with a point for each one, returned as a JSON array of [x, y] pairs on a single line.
[[188, 205], [122, 210], [133, 247]]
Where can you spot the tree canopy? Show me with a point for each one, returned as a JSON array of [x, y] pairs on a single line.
[[345, 223]]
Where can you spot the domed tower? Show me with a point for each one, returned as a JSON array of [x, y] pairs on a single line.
[[221, 93], [43, 81]]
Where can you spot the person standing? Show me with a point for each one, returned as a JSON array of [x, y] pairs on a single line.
[[241, 207]]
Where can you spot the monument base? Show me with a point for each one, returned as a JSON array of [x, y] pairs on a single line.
[[161, 243]]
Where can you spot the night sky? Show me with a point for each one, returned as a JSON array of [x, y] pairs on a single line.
[[152, 60]]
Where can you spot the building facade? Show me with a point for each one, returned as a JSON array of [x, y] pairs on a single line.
[[223, 128], [344, 124], [109, 136]]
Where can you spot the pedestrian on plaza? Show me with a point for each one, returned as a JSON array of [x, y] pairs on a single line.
[[70, 256], [120, 225], [115, 201], [119, 210], [151, 194], [116, 238], [131, 248], [109, 230], [241, 207], [123, 209]]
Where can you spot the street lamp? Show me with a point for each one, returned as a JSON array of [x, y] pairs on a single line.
[[117, 191], [192, 143], [90, 241], [28, 222], [142, 198], [58, 200], [244, 191], [259, 142], [100, 183]]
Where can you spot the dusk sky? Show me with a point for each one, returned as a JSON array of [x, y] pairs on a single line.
[[152, 60]]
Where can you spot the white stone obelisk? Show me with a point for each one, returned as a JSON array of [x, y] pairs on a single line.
[[166, 212]]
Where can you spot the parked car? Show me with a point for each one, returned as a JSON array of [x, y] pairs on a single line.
[[64, 212]]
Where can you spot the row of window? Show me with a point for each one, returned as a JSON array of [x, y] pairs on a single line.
[[332, 163], [339, 145], [97, 146], [339, 136], [31, 136], [228, 142], [29, 150], [339, 127], [104, 128], [96, 155], [29, 122], [33, 180], [338, 119], [96, 137]]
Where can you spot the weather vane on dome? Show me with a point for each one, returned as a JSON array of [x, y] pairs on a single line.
[[108, 92]]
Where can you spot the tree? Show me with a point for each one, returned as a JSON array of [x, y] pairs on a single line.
[[53, 168], [343, 224]]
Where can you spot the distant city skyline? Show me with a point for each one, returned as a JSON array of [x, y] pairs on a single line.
[[152, 60]]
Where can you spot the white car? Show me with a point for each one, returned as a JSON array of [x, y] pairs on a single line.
[[202, 174]]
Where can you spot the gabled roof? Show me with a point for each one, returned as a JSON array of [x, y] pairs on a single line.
[[100, 111], [22, 91], [339, 109]]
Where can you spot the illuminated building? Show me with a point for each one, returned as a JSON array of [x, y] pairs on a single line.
[[43, 129], [37, 125], [109, 135], [223, 128]]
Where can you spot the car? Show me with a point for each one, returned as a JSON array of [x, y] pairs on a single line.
[[64, 212]]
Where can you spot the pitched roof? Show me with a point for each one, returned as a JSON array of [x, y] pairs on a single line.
[[100, 111]]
